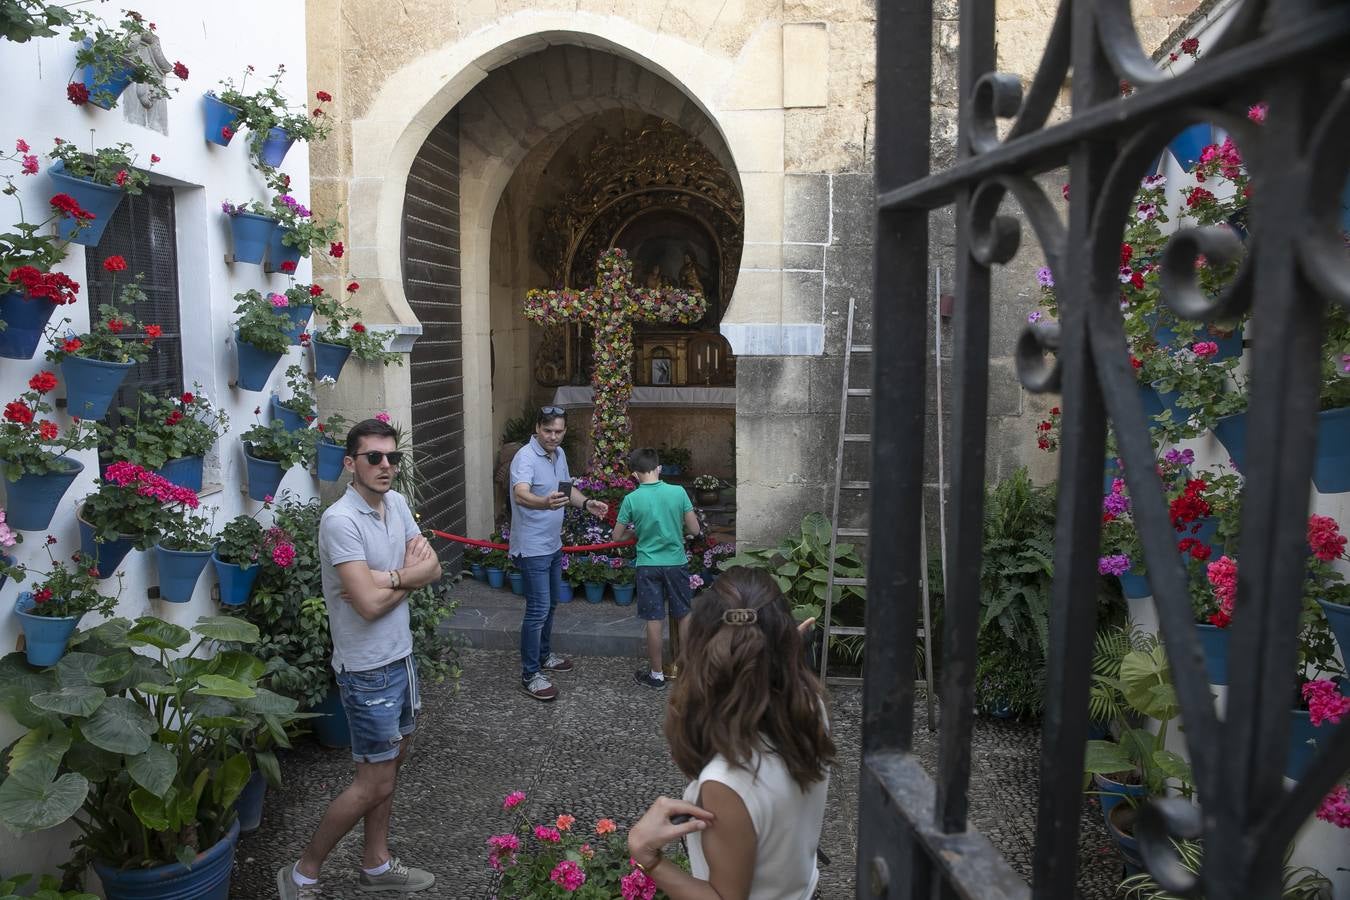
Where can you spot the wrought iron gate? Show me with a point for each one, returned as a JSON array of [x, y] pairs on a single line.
[[1295, 55]]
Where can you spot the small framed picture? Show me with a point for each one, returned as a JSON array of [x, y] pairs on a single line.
[[661, 371]]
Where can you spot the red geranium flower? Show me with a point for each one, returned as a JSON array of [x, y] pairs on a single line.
[[42, 596], [353, 288], [77, 93], [180, 70], [42, 382], [47, 429], [324, 96], [22, 146], [188, 397], [288, 266], [336, 249], [121, 178], [359, 328], [18, 412], [153, 159], [315, 290], [30, 165], [71, 207], [226, 132], [116, 325], [153, 331], [115, 264], [1190, 46], [70, 345]]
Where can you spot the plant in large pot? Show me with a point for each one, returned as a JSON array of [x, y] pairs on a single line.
[[298, 231], [1328, 586], [139, 730], [171, 435], [129, 509], [342, 336], [51, 611], [185, 544], [251, 227], [298, 410], [262, 334], [98, 181], [270, 450], [331, 447], [34, 454], [110, 56], [238, 548], [95, 363]]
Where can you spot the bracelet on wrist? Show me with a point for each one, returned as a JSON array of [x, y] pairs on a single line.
[[647, 868]]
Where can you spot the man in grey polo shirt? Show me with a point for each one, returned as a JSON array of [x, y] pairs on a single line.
[[541, 486], [371, 555]]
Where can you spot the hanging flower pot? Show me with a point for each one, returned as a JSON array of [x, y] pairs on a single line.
[[236, 582], [179, 571], [91, 385], [495, 576], [299, 314], [330, 461], [255, 365], [249, 806], [45, 637], [1338, 617], [31, 501], [250, 233], [264, 476], [1214, 640], [221, 119], [1134, 587], [595, 591], [279, 252], [104, 93], [288, 417], [517, 583], [25, 319], [99, 199], [275, 146], [1232, 433], [330, 727], [206, 878], [185, 471], [329, 359], [107, 555], [1331, 470]]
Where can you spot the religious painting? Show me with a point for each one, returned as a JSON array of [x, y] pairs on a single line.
[[662, 370], [672, 249]]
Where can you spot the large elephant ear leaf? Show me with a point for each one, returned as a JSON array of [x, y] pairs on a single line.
[[149, 631], [154, 769], [238, 665], [111, 634], [120, 726], [229, 781], [80, 702], [150, 810], [41, 746], [220, 686], [227, 628], [32, 799], [74, 669]]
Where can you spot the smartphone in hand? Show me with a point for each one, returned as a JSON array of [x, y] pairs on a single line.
[[565, 488]]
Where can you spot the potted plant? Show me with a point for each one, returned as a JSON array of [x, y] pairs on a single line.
[[51, 611], [251, 227], [94, 364], [171, 435], [495, 563], [130, 508], [298, 231], [110, 57], [622, 578], [149, 780], [674, 460], [592, 574], [709, 489], [565, 594], [1327, 585], [25, 21], [231, 108], [236, 556], [332, 447], [338, 339], [98, 181], [262, 334], [33, 454], [185, 544], [271, 449], [273, 126], [298, 411]]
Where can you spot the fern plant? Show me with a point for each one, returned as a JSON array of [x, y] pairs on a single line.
[[1106, 701]]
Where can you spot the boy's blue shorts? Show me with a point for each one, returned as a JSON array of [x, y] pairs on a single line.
[[381, 706], [662, 586]]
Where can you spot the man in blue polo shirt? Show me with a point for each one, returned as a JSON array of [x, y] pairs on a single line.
[[541, 486]]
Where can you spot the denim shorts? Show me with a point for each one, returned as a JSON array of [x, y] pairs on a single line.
[[659, 587], [381, 705]]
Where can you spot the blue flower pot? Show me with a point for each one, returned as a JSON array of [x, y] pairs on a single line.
[[595, 591], [186, 471], [1301, 752], [25, 319], [299, 314], [208, 878], [565, 595], [1113, 792], [1331, 469], [275, 146], [623, 593], [250, 233], [104, 94], [1157, 402], [31, 501], [330, 461], [179, 571], [255, 366], [249, 806], [108, 555], [495, 576], [218, 115], [1215, 642], [289, 417], [1134, 587], [331, 728], [1126, 845], [91, 385], [236, 582], [44, 637], [517, 583], [478, 572], [1232, 433], [279, 252], [329, 359], [264, 476], [1338, 617], [1187, 146], [99, 199]]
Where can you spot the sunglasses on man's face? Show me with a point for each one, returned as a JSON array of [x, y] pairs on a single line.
[[375, 457]]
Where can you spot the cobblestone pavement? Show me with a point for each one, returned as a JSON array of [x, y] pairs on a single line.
[[597, 751]]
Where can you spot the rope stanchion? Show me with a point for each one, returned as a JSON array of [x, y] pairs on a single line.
[[580, 548]]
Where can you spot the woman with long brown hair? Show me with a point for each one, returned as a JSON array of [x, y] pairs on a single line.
[[747, 724]]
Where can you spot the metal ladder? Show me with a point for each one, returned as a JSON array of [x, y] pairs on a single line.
[[841, 485]]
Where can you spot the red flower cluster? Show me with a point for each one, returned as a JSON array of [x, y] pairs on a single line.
[[116, 326], [324, 97], [336, 249], [1126, 254], [315, 290], [174, 418], [353, 288], [1186, 509], [288, 266], [77, 93], [71, 207], [153, 331], [115, 264], [17, 411], [121, 178], [148, 484], [1197, 548], [359, 328], [1223, 574], [47, 430], [30, 164], [53, 286], [226, 132], [70, 345], [1197, 196], [43, 382], [1191, 46], [180, 70], [1325, 538], [188, 397]]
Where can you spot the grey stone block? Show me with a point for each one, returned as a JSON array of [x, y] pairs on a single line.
[[853, 204], [773, 384], [806, 208], [793, 449], [804, 256], [802, 296]]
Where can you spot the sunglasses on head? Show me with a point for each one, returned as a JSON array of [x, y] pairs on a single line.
[[375, 457], [552, 410]]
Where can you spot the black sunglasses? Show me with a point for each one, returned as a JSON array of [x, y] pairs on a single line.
[[375, 457]]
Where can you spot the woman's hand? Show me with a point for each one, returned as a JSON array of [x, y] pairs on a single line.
[[655, 830]]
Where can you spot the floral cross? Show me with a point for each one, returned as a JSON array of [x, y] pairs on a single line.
[[611, 307]]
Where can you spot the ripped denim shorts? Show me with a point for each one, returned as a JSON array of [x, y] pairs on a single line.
[[381, 706]]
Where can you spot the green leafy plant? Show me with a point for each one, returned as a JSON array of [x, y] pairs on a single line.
[[497, 559], [114, 48], [1106, 702], [273, 442], [30, 245], [1299, 882], [133, 737], [624, 574], [800, 565], [708, 483], [116, 335], [674, 456], [30, 443], [262, 321], [191, 533], [255, 207], [131, 501], [301, 402], [67, 588], [267, 108], [161, 429], [333, 430], [304, 231], [241, 540], [47, 887], [366, 345], [23, 20], [113, 166]]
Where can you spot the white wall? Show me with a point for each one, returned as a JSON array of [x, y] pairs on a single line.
[[214, 41]]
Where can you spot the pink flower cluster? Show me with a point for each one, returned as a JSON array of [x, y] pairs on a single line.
[[278, 301], [502, 850], [1325, 538], [1335, 807], [1222, 573], [568, 874], [7, 536], [513, 799], [637, 886], [1225, 157], [283, 555], [1325, 702], [149, 484], [1204, 349], [547, 833]]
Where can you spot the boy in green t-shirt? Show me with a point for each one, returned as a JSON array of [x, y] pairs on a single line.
[[656, 511]]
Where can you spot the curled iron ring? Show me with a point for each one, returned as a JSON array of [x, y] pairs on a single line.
[[1036, 373]]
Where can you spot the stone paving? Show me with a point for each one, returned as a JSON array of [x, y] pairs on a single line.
[[597, 751]]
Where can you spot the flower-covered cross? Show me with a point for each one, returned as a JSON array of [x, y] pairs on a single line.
[[611, 308]]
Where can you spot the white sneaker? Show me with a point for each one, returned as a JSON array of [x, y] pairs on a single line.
[[539, 687]]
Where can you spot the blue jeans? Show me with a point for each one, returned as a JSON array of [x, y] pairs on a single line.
[[542, 577], [381, 706]]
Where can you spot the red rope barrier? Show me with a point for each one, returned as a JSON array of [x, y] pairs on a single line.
[[582, 548]]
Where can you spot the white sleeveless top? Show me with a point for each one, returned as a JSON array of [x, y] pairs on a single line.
[[787, 825]]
